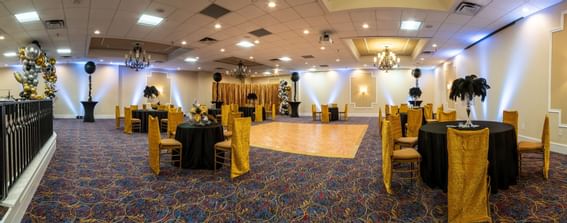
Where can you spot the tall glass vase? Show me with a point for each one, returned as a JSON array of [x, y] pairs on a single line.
[[468, 123]]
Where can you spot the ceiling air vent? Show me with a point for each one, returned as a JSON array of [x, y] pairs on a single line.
[[308, 56], [260, 32], [428, 52], [468, 8], [323, 65], [215, 11], [54, 24], [275, 60], [207, 40]]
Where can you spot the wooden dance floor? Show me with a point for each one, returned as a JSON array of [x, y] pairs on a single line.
[[326, 140]]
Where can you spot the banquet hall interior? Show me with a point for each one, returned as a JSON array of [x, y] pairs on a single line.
[[283, 111]]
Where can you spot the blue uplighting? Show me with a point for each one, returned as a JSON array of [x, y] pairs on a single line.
[[62, 93]]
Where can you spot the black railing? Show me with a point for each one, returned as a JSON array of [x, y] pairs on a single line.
[[25, 128]]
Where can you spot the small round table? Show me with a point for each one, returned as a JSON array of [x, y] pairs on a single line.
[[198, 144], [144, 115], [502, 154]]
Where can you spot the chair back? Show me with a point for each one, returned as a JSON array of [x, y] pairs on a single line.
[[240, 144], [234, 107], [448, 116], [154, 139], [545, 140], [173, 120], [394, 110], [274, 112], [334, 105], [117, 116], [404, 108], [231, 118], [259, 113], [428, 111], [511, 117], [386, 110], [179, 109], [467, 190], [325, 114], [127, 120], [380, 121], [163, 107], [313, 109], [415, 118], [396, 126], [387, 150], [225, 111], [134, 107], [346, 112]]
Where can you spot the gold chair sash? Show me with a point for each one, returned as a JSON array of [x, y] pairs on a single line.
[[428, 111], [346, 112], [325, 114], [380, 121], [154, 139], [240, 143], [127, 120], [117, 116], [173, 120], [259, 112], [134, 107], [225, 110], [448, 116], [415, 118], [387, 150], [467, 190], [396, 126], [387, 110], [394, 110], [404, 108]]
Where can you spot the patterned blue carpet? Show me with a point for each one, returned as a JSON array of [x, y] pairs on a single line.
[[99, 174]]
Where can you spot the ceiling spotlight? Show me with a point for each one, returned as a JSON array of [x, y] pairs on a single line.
[[64, 51], [434, 45], [422, 59], [245, 44], [286, 59], [222, 50], [10, 54], [277, 65], [251, 57], [256, 41], [183, 42], [2, 37], [322, 48], [101, 60], [365, 65], [191, 59], [410, 25], [365, 26], [149, 20], [218, 25], [306, 31], [306, 63], [272, 4], [312, 69], [338, 60], [266, 73], [96, 32], [198, 68], [526, 9]]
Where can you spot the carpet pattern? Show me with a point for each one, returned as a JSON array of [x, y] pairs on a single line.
[[99, 174]]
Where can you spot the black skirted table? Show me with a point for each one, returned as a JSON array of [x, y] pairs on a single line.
[[248, 111], [334, 114], [502, 154], [198, 144], [144, 116], [89, 106]]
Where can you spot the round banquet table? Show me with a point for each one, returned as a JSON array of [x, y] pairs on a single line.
[[248, 111], [198, 144], [502, 154], [144, 116]]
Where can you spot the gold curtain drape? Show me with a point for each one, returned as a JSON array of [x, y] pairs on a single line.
[[232, 93]]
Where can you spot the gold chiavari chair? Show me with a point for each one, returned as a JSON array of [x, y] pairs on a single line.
[[238, 147], [537, 147], [391, 156], [325, 114], [158, 146]]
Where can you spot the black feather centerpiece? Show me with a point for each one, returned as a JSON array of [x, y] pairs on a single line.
[[415, 92], [466, 89], [151, 92]]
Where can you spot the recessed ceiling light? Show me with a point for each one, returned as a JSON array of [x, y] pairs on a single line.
[[312, 69], [272, 4], [222, 50], [10, 54], [64, 51], [96, 32], [422, 59], [266, 73], [285, 59], [101, 60], [365, 26], [27, 17], [277, 65], [338, 60], [306, 31], [434, 45], [251, 57], [183, 42], [410, 25], [2, 37], [257, 41], [306, 63], [191, 59], [218, 25], [198, 68], [149, 20], [322, 48], [245, 44]]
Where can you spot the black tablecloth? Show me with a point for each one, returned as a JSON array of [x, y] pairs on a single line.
[[249, 112], [198, 144], [144, 115], [333, 114], [502, 154], [214, 111]]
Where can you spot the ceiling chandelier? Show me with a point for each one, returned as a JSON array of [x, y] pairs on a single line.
[[137, 58], [241, 71], [386, 60]]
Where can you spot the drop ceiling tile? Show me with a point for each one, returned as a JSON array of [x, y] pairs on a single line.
[[388, 32], [389, 14], [19, 6], [159, 9], [285, 15], [232, 19], [340, 27], [40, 5], [105, 4], [49, 14], [458, 19], [134, 6], [251, 12], [297, 24], [435, 16], [298, 2], [413, 14], [338, 17], [360, 16], [76, 4], [265, 20], [318, 21], [309, 10], [388, 24]]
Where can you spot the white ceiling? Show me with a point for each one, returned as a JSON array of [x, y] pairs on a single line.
[[117, 19]]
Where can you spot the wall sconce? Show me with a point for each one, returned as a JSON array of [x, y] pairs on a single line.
[[449, 85], [363, 90], [160, 89]]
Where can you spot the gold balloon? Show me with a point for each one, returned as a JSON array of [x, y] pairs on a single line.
[[52, 61], [26, 88], [40, 61]]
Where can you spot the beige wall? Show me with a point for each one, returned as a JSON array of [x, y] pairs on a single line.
[[558, 83], [516, 63]]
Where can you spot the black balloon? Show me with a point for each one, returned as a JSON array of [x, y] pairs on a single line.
[[217, 77], [90, 67], [416, 73], [294, 76]]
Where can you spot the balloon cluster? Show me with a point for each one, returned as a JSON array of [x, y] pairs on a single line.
[[35, 61], [283, 94]]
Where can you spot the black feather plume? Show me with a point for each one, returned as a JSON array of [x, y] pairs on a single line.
[[470, 86]]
